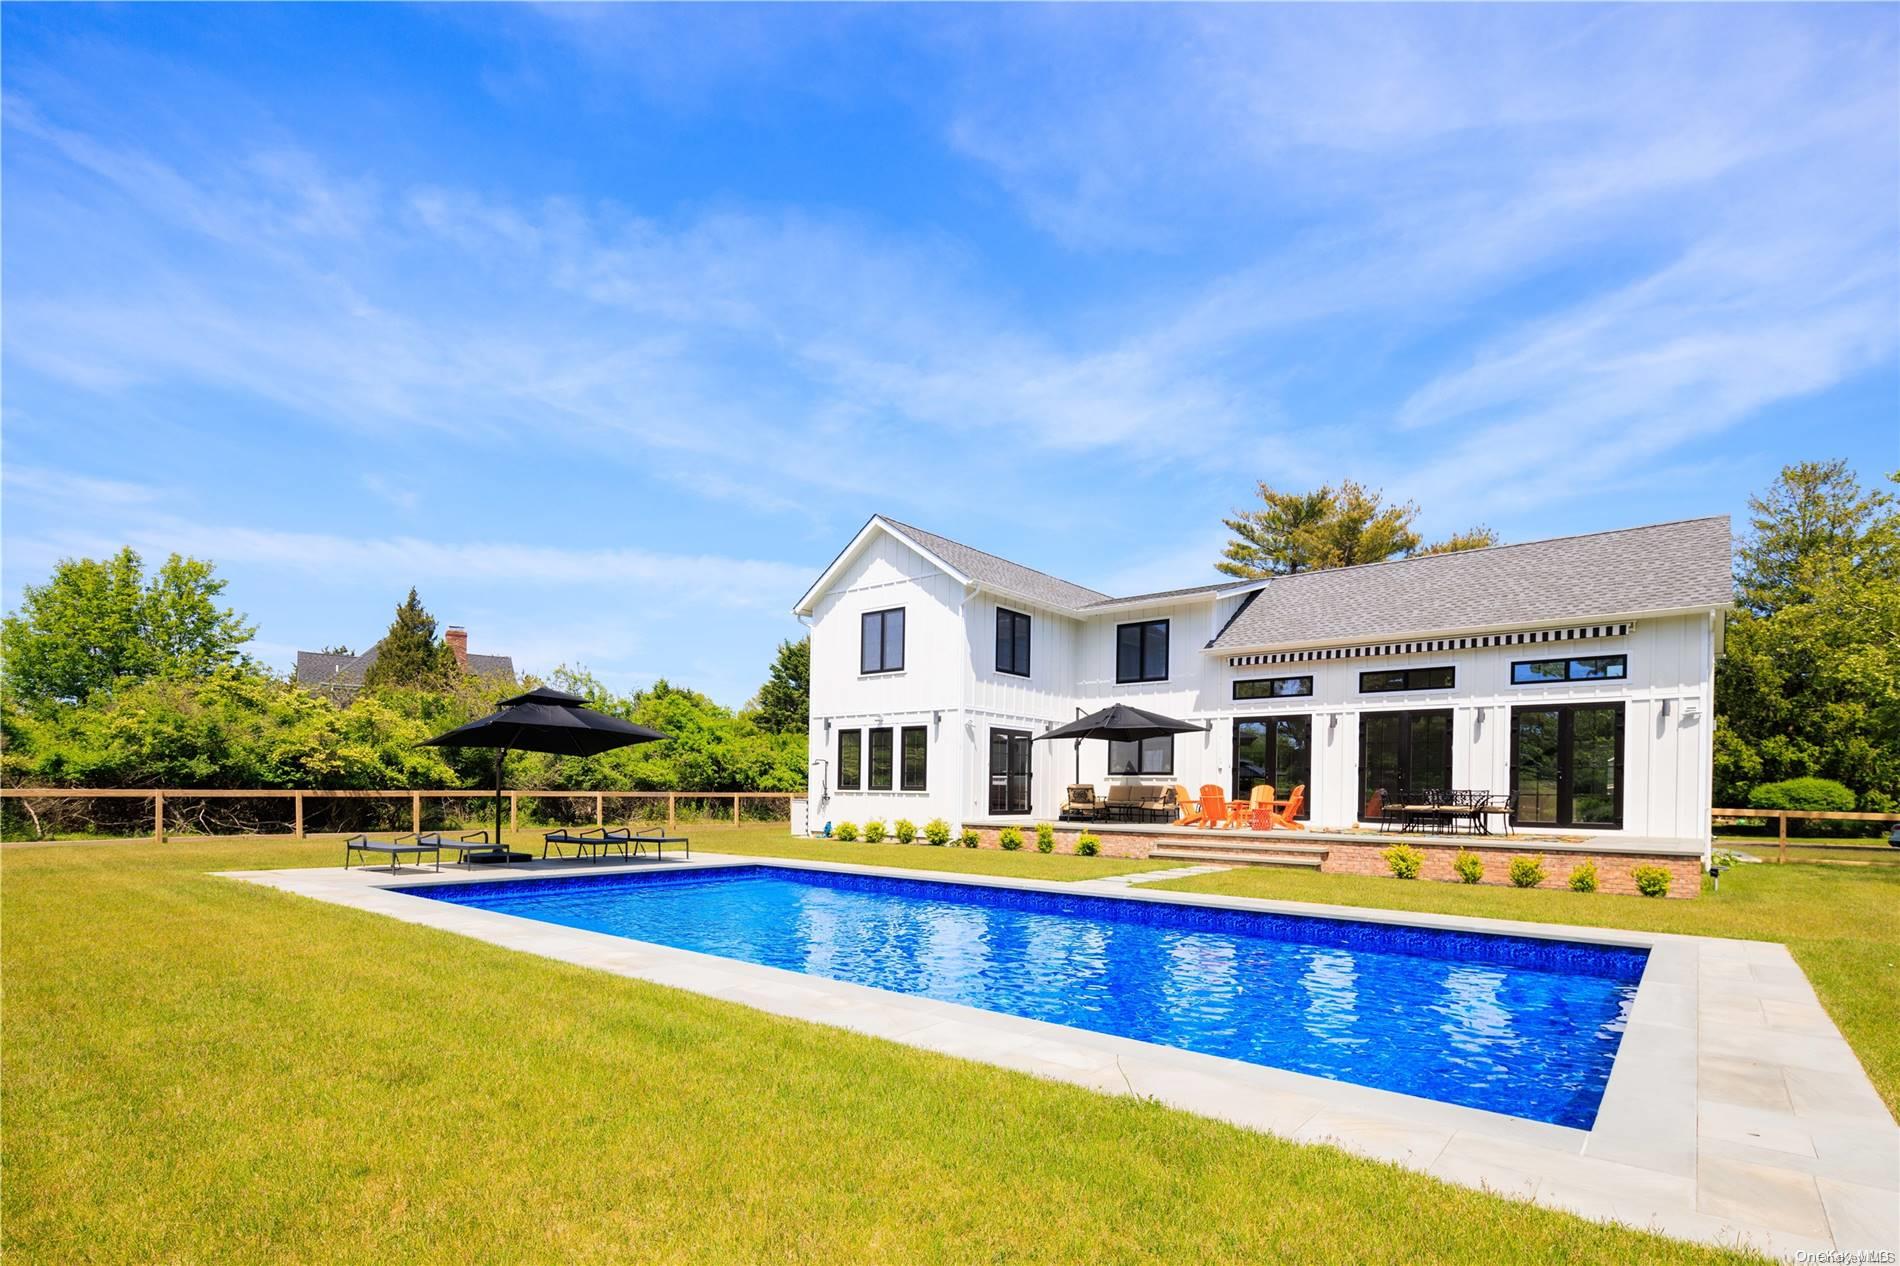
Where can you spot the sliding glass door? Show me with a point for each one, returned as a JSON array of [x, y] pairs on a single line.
[[1567, 764], [1009, 771], [1402, 755], [1273, 750]]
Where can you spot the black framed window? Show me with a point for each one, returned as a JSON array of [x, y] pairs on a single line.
[[881, 641], [1141, 756], [1402, 756], [1141, 651], [1385, 679], [1537, 672], [1274, 688], [880, 760], [1567, 764], [850, 759], [916, 746], [1012, 642]]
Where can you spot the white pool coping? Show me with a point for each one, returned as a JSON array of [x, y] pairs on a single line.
[[1735, 1113]]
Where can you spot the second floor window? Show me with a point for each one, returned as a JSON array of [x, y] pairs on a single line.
[[850, 759], [1012, 642], [881, 641], [1141, 651], [880, 760]]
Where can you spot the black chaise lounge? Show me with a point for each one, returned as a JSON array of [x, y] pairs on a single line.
[[473, 844], [598, 841], [395, 850]]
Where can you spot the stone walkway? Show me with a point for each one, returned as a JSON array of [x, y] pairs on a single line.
[[1149, 877]]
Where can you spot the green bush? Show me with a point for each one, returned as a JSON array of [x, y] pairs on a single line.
[[846, 831], [1651, 881], [1045, 838], [1527, 872], [937, 831], [1087, 844], [1469, 866], [968, 839], [906, 830], [1816, 795], [1404, 860], [1010, 837], [1584, 878], [873, 832]]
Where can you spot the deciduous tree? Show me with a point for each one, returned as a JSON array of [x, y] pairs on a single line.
[[1328, 527]]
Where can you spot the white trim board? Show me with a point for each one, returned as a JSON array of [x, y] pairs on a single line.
[[1735, 1111]]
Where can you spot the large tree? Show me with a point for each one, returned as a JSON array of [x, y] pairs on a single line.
[[783, 704], [1810, 681], [96, 625], [1329, 527], [409, 654]]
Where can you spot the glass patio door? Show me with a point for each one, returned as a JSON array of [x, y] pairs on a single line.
[[1009, 771], [1402, 755], [1273, 750], [1567, 764]]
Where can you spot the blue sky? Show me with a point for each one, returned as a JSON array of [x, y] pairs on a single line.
[[607, 327]]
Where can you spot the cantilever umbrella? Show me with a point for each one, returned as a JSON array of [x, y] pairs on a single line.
[[1118, 721], [543, 720]]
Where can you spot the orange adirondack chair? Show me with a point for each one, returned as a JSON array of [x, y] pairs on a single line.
[[1214, 805], [1294, 803], [1192, 814]]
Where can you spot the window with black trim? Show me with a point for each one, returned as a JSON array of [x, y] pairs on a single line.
[[1141, 651], [1537, 672], [881, 641], [916, 746], [1012, 642], [1141, 756], [880, 760], [1274, 688], [1385, 679], [850, 759]]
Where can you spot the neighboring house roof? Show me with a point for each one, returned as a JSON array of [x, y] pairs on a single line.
[[1663, 567], [1000, 572], [317, 669]]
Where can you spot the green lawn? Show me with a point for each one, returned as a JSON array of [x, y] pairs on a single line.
[[201, 1070], [1840, 921]]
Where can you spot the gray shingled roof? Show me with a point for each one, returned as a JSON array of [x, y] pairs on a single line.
[[991, 570], [317, 669], [1662, 567]]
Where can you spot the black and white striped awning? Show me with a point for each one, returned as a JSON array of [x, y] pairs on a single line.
[[1434, 645]]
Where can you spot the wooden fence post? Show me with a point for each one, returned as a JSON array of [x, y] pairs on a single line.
[[1781, 842], [158, 817], [514, 809], [669, 813], [735, 809], [298, 797], [598, 810], [415, 812]]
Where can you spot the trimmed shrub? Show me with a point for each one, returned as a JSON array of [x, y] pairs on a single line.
[[1817, 795], [1469, 866], [1010, 837], [1527, 872], [937, 832], [1404, 860], [1087, 844], [1045, 838], [906, 830], [968, 839], [1584, 878], [846, 831], [873, 832], [1651, 881]]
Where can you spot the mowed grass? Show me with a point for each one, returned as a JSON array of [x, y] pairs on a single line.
[[1841, 922], [198, 1069]]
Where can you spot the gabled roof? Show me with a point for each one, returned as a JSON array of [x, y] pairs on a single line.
[[1000, 573], [319, 669], [1633, 571]]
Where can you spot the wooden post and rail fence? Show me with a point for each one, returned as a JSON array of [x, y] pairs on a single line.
[[297, 797]]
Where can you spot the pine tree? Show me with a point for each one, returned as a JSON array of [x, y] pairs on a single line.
[[783, 704], [1329, 527], [409, 654]]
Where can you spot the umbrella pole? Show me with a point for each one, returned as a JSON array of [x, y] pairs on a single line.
[[507, 853]]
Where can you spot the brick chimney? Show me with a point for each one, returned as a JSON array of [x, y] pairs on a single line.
[[457, 638]]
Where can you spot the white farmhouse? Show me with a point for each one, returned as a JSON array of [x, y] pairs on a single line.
[[1575, 673]]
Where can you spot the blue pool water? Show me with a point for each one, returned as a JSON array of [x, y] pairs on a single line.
[[1517, 1025]]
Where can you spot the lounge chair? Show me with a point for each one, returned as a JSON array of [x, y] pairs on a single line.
[[1189, 807], [590, 841], [395, 850], [1159, 806], [1079, 803], [654, 835], [462, 846], [1286, 819], [1214, 805]]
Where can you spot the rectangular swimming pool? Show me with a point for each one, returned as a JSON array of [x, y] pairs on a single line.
[[1517, 1025]]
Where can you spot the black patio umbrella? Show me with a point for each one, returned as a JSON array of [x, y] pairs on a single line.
[[1118, 721], [543, 720]]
